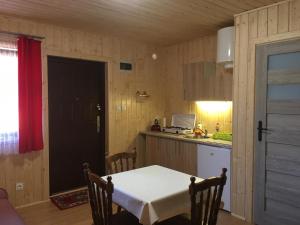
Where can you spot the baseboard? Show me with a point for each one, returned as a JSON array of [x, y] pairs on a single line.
[[237, 216], [32, 204], [44, 201]]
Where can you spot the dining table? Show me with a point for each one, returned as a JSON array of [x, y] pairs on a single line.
[[153, 193]]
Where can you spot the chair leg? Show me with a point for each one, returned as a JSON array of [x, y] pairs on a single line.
[[119, 209]]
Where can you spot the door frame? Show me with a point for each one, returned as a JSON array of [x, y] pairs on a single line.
[[262, 51], [108, 71]]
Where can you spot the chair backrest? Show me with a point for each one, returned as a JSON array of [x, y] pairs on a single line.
[[206, 199], [100, 196], [121, 162]]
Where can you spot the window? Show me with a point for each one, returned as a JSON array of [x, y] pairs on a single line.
[[9, 122]]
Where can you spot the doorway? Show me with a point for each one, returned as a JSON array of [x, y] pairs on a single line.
[[76, 91], [277, 151]]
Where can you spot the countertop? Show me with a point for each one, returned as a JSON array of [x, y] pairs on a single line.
[[180, 137]]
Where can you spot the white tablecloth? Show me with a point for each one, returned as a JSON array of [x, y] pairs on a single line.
[[152, 193]]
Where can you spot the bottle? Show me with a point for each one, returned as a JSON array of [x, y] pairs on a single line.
[[164, 122], [198, 130], [217, 127], [200, 126], [155, 126]]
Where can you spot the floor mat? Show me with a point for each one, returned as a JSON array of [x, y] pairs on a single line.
[[69, 200]]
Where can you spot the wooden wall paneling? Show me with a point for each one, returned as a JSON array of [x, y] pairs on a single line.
[[253, 25], [239, 153], [294, 15], [235, 144], [32, 169], [283, 17], [273, 20], [250, 129], [236, 100], [273, 23], [263, 23]]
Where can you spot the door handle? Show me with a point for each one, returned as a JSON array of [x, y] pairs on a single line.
[[261, 130], [98, 124], [98, 107]]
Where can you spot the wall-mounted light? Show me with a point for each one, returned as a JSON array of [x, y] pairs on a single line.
[[154, 56], [142, 94], [214, 106]]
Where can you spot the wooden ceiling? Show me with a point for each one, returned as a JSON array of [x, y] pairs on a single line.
[[161, 22]]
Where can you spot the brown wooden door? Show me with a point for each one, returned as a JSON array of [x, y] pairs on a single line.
[[76, 120], [277, 153]]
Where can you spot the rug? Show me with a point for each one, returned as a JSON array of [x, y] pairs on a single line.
[[69, 200]]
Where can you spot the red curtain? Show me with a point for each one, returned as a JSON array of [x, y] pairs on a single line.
[[30, 95]]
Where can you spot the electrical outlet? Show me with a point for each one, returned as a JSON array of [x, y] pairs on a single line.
[[19, 186]]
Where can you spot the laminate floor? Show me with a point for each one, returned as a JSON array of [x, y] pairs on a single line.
[[48, 214]]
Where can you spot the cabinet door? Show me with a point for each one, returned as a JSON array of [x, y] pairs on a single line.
[[192, 80], [223, 84], [162, 151], [206, 81], [168, 156], [152, 150], [177, 155], [187, 158]]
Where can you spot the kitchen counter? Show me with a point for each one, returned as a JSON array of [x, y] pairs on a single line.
[[180, 137]]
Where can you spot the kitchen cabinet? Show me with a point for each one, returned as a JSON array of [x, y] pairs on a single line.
[[207, 81], [174, 154], [199, 159]]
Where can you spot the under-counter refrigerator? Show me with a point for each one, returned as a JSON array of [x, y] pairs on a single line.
[[210, 161]]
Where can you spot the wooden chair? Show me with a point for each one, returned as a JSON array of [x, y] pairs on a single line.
[[205, 211], [100, 198], [205, 202], [121, 162]]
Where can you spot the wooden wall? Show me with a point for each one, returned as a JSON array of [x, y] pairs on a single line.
[[32, 169], [174, 58], [268, 24]]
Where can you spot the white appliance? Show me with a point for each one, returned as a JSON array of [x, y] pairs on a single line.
[[225, 46], [210, 161], [181, 124]]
